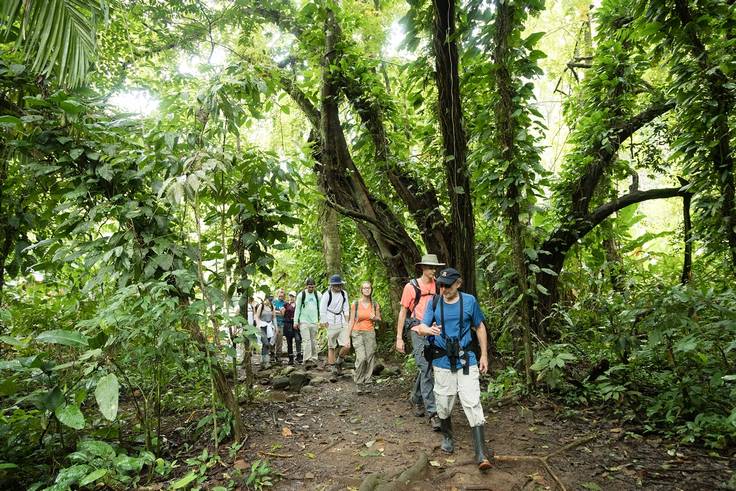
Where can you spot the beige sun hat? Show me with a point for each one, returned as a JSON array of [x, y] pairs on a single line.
[[430, 260]]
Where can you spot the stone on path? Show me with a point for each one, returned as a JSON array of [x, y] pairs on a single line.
[[297, 380], [280, 383]]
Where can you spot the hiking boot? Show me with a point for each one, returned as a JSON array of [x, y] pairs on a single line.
[[291, 360], [338, 365], [448, 446], [417, 407], [479, 442], [434, 420]]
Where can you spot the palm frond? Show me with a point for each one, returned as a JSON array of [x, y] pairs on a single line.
[[57, 36]]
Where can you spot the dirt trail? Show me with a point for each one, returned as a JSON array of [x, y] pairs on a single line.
[[329, 438]]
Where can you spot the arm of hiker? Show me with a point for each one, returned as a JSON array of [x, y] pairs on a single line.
[[298, 309], [483, 341], [377, 313], [400, 330], [424, 328], [323, 310], [353, 317]]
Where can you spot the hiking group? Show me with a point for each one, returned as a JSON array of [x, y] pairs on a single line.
[[443, 326]]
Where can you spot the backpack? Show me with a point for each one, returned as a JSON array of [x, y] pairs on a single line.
[[474, 344], [329, 300], [418, 294], [304, 297]]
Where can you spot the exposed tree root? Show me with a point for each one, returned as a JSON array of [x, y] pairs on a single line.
[[544, 459], [397, 481]]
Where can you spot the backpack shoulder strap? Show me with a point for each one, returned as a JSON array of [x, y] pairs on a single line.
[[417, 294]]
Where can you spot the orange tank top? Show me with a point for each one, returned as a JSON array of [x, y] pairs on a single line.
[[363, 320]]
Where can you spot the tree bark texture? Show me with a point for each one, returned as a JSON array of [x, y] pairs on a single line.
[[461, 223], [687, 261], [330, 239], [346, 189], [505, 130]]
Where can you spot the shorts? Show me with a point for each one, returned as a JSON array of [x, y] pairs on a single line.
[[338, 334]]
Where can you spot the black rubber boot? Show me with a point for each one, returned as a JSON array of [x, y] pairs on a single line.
[[482, 455], [446, 428]]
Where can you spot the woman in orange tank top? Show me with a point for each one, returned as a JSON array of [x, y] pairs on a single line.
[[363, 316]]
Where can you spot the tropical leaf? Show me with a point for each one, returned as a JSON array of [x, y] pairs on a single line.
[[106, 394], [60, 336], [57, 36]]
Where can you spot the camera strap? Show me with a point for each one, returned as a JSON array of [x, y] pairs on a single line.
[[463, 354]]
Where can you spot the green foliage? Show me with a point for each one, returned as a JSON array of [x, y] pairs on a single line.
[[56, 36], [671, 353], [260, 476], [96, 463], [550, 365]]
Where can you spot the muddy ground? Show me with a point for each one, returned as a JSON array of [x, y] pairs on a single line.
[[327, 437]]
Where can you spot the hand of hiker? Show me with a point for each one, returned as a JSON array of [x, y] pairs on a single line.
[[400, 345], [435, 330], [483, 364]]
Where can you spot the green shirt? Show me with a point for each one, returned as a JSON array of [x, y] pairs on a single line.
[[308, 314]]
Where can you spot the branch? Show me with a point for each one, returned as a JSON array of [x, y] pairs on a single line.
[[604, 211], [628, 128]]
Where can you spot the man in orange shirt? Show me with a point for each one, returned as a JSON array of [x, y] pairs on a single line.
[[417, 294]]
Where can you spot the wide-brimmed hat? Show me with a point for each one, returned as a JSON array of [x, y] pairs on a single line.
[[336, 279], [447, 276], [430, 260]]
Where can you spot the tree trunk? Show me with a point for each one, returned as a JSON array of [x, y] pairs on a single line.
[[330, 239], [687, 263], [338, 175], [505, 130], [462, 222]]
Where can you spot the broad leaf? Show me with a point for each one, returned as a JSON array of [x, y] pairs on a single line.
[[70, 415], [106, 394], [60, 336]]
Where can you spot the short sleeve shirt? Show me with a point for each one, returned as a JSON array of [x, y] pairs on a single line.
[[409, 296], [472, 316]]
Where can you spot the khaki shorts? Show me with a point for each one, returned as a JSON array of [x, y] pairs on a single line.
[[338, 334]]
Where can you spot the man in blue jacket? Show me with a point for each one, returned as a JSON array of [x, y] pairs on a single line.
[[448, 322]]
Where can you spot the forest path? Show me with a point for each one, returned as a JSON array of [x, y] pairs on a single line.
[[330, 438]]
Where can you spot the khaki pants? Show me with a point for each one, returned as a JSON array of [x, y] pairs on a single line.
[[309, 341], [447, 385], [364, 344]]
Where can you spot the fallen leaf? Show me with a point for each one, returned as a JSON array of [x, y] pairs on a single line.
[[285, 431], [308, 475], [370, 443], [434, 463], [616, 430], [310, 455], [591, 486], [371, 453], [240, 464], [299, 415], [450, 461]]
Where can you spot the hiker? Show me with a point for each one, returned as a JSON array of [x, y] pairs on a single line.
[[278, 306], [364, 315], [265, 320], [293, 336], [334, 311], [417, 293], [306, 319], [452, 316]]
